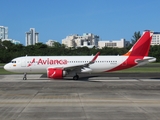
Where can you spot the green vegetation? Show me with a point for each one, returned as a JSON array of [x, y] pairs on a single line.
[[135, 37], [2, 71], [141, 70], [2, 64], [148, 68]]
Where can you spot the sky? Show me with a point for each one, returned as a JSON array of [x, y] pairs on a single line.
[[56, 19]]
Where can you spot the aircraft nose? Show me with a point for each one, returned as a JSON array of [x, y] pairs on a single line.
[[6, 67]]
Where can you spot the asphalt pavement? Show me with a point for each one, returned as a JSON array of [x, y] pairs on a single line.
[[113, 98]]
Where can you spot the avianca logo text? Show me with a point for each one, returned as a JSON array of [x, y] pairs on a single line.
[[48, 62]]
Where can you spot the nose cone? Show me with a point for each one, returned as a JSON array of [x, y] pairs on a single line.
[[6, 67], [11, 68]]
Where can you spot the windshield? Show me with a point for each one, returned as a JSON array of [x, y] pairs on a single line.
[[13, 61]]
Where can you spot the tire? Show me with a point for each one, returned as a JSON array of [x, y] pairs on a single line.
[[24, 78]]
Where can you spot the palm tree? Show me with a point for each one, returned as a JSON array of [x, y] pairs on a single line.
[[136, 36]]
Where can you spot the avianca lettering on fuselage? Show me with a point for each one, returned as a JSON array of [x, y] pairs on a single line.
[[48, 61], [59, 66]]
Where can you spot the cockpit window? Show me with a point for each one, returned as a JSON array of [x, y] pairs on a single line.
[[13, 61]]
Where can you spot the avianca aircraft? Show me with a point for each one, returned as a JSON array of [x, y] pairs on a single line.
[[59, 66]]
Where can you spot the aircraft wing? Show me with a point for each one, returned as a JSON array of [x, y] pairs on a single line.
[[80, 66]]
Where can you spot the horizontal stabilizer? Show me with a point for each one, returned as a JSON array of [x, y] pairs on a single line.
[[145, 60]]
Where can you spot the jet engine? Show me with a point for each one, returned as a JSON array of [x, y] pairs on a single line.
[[56, 73]]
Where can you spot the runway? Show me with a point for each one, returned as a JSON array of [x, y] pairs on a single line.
[[96, 98]]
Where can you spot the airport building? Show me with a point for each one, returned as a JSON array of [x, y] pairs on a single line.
[[31, 37], [87, 39], [3, 32]]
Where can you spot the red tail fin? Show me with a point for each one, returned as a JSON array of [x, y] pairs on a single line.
[[142, 46]]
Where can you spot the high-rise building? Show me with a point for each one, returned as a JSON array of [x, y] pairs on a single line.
[[4, 35], [31, 37], [3, 32]]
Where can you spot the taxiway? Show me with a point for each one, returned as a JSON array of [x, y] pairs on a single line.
[[97, 98]]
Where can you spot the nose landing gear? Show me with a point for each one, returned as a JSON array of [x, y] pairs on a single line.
[[25, 76]]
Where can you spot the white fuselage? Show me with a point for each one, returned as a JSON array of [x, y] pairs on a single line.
[[40, 64]]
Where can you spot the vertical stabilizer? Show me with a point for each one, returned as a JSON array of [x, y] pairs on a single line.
[[142, 46]]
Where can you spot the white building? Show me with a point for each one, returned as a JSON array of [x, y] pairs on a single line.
[[115, 43], [69, 41], [87, 39], [31, 37], [155, 38], [50, 42], [3, 32]]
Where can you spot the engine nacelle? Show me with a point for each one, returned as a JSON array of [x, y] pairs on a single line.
[[55, 73]]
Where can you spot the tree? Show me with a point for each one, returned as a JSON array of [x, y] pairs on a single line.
[[56, 45], [40, 45], [155, 52], [136, 36], [0, 42], [7, 44]]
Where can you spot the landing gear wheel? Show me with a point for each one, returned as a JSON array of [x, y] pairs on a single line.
[[76, 77], [24, 78]]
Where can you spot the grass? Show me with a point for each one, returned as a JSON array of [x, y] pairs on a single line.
[[2, 64], [149, 68], [2, 71], [141, 70]]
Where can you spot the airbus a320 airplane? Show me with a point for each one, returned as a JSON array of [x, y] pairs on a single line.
[[59, 66]]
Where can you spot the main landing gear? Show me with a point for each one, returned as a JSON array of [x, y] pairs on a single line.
[[76, 77], [25, 76]]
